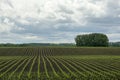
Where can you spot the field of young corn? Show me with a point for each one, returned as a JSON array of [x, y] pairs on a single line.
[[48, 63]]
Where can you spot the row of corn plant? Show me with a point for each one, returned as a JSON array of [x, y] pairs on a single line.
[[20, 74]]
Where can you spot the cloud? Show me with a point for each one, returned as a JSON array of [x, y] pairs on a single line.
[[56, 21], [5, 26]]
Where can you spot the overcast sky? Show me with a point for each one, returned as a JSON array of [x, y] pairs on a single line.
[[57, 21]]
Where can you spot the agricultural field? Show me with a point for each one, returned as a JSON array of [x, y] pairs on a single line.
[[49, 63]]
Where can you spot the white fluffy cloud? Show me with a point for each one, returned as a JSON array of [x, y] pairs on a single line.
[[76, 10], [42, 20], [6, 26]]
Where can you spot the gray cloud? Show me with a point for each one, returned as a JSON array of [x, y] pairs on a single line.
[[57, 21]]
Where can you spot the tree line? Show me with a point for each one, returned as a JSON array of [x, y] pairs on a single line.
[[88, 40], [37, 44]]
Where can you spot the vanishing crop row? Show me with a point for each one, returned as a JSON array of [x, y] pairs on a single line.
[[46, 63]]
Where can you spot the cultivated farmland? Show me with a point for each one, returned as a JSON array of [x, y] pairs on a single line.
[[48, 63]]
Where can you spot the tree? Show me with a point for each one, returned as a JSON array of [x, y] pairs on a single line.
[[94, 39]]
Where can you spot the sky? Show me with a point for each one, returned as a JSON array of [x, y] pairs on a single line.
[[57, 21]]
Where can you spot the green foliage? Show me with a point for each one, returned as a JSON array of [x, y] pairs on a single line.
[[94, 39]]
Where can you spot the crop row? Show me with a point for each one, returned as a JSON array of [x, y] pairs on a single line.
[[42, 63]]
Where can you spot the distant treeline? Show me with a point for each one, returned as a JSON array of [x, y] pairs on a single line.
[[36, 44], [114, 44]]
